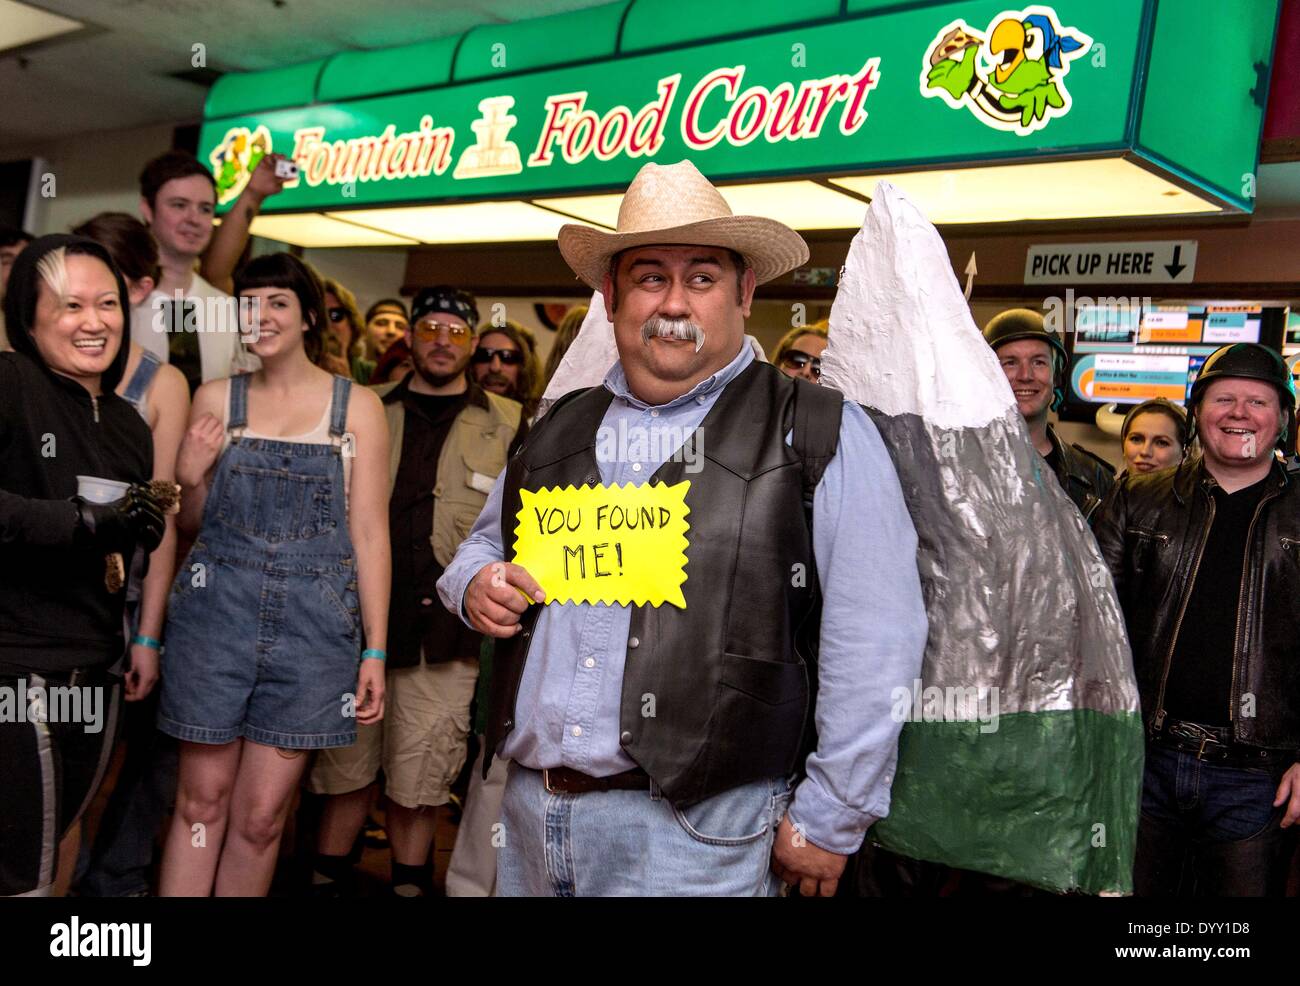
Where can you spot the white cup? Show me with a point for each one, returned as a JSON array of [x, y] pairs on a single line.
[[96, 490]]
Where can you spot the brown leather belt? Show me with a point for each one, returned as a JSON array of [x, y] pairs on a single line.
[[564, 780]]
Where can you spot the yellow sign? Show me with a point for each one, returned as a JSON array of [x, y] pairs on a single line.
[[606, 544]]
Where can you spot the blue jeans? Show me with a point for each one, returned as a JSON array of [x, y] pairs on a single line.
[[636, 843], [1208, 829]]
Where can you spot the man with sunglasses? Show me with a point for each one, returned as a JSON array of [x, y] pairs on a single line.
[[504, 364], [449, 439], [799, 353]]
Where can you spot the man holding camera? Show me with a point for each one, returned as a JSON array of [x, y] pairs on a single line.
[[176, 322]]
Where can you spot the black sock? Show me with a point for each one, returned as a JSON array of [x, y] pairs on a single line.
[[412, 879], [329, 869]]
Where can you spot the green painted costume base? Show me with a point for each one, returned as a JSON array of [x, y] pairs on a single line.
[[959, 798]]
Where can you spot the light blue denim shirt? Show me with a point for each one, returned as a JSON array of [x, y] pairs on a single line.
[[873, 626]]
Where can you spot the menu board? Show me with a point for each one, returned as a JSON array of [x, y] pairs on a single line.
[[1291, 345], [1130, 378], [1129, 353], [1105, 328]]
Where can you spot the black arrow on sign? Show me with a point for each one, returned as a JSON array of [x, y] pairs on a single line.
[[1176, 268]]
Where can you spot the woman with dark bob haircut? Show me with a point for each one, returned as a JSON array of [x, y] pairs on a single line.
[[74, 458], [264, 658]]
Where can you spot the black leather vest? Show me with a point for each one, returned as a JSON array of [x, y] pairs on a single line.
[[731, 678]]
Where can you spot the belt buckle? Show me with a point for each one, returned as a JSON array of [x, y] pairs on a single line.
[[546, 781], [1207, 739]]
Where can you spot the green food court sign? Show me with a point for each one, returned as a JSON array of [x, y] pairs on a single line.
[[854, 91]]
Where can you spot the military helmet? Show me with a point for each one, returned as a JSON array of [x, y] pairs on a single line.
[[1015, 324], [1249, 361]]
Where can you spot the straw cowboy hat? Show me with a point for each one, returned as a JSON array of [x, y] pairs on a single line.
[[674, 204]]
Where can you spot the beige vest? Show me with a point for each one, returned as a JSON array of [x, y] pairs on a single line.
[[471, 459]]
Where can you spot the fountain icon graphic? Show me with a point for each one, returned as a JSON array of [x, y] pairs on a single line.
[[493, 154]]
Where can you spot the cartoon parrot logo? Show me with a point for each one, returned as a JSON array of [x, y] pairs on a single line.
[[1014, 80], [234, 159]]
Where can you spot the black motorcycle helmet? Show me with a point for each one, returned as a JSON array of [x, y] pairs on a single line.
[[1015, 324], [1251, 362]]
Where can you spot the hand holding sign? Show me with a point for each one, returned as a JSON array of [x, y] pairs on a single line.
[[606, 544], [498, 595]]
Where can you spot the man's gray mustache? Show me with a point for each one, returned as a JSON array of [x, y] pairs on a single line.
[[673, 328]]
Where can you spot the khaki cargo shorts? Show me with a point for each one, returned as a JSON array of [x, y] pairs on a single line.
[[420, 743]]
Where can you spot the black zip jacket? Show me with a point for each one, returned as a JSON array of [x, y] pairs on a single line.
[[1086, 478], [55, 613], [1152, 531]]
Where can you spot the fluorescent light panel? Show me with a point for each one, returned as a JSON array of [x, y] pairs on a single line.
[[311, 229], [21, 24], [1100, 188], [801, 204], [1056, 190], [1093, 189], [601, 209], [476, 222]]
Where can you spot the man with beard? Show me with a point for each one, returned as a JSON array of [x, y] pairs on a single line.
[[449, 440], [504, 363]]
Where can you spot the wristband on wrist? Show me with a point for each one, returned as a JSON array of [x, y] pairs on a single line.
[[144, 641], [375, 653]]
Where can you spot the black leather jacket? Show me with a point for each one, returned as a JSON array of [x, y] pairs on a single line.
[[1152, 532], [1086, 478]]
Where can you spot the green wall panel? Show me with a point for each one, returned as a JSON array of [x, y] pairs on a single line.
[[1198, 112], [353, 74], [562, 39]]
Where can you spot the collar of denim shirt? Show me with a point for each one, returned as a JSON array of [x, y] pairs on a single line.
[[616, 380]]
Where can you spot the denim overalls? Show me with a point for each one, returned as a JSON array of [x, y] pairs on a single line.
[[134, 395], [263, 631], [140, 380]]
